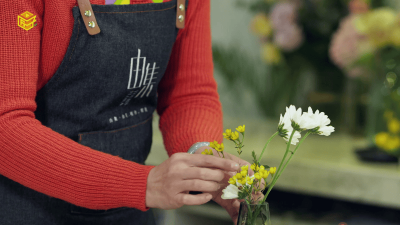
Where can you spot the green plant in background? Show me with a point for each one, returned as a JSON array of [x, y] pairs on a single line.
[[294, 42]]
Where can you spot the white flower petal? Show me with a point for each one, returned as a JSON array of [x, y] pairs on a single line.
[[327, 130], [230, 192], [312, 120], [295, 138]]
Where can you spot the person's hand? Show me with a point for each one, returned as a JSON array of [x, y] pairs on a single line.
[[169, 183], [230, 205]]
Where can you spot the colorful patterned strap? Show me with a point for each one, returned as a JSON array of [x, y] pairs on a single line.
[[126, 2]]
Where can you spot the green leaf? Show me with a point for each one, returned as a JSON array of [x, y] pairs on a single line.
[[254, 157], [266, 166]]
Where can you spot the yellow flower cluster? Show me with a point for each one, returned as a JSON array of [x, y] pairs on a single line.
[[215, 145], [389, 141], [231, 135], [234, 136], [272, 170], [207, 152], [260, 172], [254, 167], [381, 26], [241, 129], [241, 177]]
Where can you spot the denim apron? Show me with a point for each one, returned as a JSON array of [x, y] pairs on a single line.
[[103, 96]]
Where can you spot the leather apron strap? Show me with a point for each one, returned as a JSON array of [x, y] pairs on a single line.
[[93, 27], [88, 17]]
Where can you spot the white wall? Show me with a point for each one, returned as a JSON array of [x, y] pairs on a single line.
[[230, 26]]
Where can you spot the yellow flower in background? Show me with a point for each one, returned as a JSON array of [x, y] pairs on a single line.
[[270, 53], [262, 168], [257, 176], [386, 141], [232, 181], [234, 135], [394, 126], [381, 139], [393, 143], [243, 181], [238, 176], [246, 167], [227, 134], [261, 25], [244, 173], [395, 37], [272, 170], [241, 129], [378, 25]]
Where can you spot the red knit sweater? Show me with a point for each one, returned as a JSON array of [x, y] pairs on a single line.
[[39, 158]]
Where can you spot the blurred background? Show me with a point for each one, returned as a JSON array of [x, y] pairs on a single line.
[[339, 56]]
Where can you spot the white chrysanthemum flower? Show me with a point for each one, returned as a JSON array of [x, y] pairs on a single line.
[[320, 121], [230, 192], [294, 115], [285, 124], [295, 138]]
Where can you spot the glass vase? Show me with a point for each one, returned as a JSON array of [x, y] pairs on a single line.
[[254, 214]]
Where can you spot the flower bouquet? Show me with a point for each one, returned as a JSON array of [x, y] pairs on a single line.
[[247, 182]]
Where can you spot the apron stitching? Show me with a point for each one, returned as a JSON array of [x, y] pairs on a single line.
[[72, 52], [114, 131], [140, 11]]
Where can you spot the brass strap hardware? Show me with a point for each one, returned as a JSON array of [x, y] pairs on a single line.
[[88, 17]]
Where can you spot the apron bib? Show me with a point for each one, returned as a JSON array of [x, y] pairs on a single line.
[[103, 96]]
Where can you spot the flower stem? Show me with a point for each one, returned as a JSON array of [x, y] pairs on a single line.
[[286, 164], [284, 157], [269, 140], [274, 179]]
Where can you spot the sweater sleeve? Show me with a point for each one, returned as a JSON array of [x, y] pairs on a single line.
[[39, 158], [189, 106]]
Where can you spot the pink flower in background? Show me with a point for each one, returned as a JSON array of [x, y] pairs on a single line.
[[344, 49], [282, 14], [287, 34], [289, 37]]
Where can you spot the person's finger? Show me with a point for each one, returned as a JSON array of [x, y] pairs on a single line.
[[213, 162], [234, 210], [188, 199], [256, 197], [203, 174], [199, 185]]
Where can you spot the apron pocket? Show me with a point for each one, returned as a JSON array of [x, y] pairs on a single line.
[[131, 143]]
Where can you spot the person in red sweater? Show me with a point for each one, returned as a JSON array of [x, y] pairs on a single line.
[[76, 108]]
